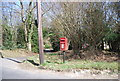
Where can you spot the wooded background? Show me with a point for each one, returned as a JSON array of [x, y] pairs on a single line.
[[89, 26]]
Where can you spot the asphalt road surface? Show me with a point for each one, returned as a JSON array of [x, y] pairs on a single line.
[[10, 70]]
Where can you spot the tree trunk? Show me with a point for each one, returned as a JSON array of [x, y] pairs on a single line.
[[29, 45], [102, 45], [25, 31], [29, 37], [1, 22], [0, 35]]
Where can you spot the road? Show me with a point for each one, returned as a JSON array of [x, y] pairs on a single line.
[[11, 70]]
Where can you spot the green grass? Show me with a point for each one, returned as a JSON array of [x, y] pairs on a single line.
[[47, 46], [55, 63], [82, 65]]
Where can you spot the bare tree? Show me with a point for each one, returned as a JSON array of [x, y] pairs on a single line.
[[81, 23], [28, 18]]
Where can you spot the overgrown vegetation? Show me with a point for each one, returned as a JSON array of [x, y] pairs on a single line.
[[88, 26]]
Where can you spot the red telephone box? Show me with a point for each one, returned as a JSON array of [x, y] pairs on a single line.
[[63, 44]]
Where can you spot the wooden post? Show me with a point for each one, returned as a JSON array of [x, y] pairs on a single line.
[[40, 36], [63, 56]]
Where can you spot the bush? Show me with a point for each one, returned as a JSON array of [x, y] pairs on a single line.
[[35, 44], [47, 46], [21, 38], [8, 42], [113, 40], [55, 40]]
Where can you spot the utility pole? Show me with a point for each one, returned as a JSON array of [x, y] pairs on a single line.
[[1, 22], [40, 36]]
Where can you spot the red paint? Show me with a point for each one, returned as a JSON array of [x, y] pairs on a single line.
[[63, 44]]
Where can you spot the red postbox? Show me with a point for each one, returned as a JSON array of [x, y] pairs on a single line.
[[63, 44]]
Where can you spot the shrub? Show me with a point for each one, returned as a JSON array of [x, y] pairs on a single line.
[[8, 42], [54, 39]]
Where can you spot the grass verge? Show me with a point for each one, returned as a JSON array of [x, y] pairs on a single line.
[[54, 62]]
